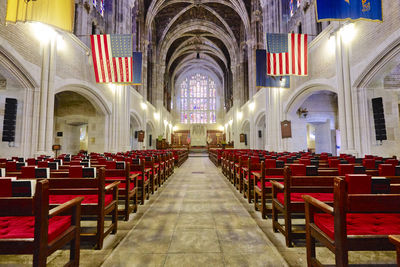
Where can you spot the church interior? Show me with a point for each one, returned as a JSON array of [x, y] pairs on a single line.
[[199, 133]]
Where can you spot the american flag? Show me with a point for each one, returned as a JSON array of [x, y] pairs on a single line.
[[287, 54], [112, 58]]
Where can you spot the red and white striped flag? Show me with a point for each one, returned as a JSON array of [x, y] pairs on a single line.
[[112, 58], [287, 54]]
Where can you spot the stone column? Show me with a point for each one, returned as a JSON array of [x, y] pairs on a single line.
[[345, 98], [120, 122], [46, 103], [273, 131]]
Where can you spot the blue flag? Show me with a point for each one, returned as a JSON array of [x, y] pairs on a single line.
[[349, 9], [262, 79], [137, 68]]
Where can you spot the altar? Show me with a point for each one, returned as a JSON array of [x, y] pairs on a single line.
[[198, 135]]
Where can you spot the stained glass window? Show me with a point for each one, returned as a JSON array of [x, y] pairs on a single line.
[[198, 100]]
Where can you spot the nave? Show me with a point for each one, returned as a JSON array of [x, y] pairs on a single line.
[[197, 218]]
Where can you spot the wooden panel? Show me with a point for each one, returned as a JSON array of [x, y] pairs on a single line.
[[286, 129]]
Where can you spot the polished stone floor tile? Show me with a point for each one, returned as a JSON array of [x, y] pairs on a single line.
[[194, 241], [195, 221], [147, 241], [233, 221], [194, 260], [242, 241], [253, 260], [126, 259]]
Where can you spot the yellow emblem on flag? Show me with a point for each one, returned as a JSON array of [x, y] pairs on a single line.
[[58, 13], [348, 1]]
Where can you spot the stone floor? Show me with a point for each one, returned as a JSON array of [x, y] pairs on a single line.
[[196, 219]]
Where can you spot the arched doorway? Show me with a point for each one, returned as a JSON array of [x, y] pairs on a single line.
[[315, 123], [17, 87], [261, 130], [246, 132], [150, 138], [78, 124], [135, 127]]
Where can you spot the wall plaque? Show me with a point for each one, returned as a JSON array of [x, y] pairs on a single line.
[[286, 129]]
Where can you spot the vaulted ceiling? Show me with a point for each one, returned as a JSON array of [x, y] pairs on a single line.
[[206, 34]]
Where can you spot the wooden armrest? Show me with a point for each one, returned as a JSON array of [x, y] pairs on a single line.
[[278, 185], [256, 174], [134, 176], [116, 180], [395, 239], [112, 186], [318, 204], [65, 206]]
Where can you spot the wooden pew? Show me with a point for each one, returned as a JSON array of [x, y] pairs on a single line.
[[100, 200], [263, 186], [64, 218], [395, 239], [286, 200], [137, 167], [351, 217], [127, 189]]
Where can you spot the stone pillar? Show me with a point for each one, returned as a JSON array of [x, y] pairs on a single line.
[[29, 124], [345, 98], [120, 121], [46, 103], [273, 131]]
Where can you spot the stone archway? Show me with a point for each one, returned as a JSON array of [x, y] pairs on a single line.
[[150, 140], [315, 122], [261, 131], [78, 124], [245, 129], [135, 126]]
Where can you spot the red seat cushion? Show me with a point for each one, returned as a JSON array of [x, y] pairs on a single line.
[[123, 185], [362, 224], [140, 178], [296, 197], [267, 184], [387, 170], [119, 178], [298, 169], [88, 199], [24, 227], [345, 169]]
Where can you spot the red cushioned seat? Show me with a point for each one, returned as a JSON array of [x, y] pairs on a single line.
[[305, 161], [369, 163], [394, 162], [43, 164], [362, 224], [358, 183], [298, 169], [270, 163], [140, 178], [88, 199], [333, 163], [119, 178], [123, 185], [267, 184], [24, 227], [387, 170], [111, 165], [345, 169], [296, 197]]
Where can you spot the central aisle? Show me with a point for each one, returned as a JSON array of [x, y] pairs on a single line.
[[196, 221]]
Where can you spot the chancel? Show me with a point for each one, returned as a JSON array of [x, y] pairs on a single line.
[[199, 133]]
